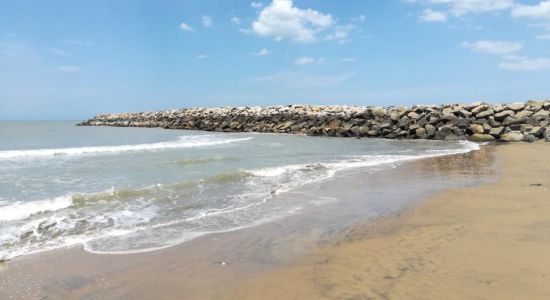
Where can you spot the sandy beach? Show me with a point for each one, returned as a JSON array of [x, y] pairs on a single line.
[[485, 242]]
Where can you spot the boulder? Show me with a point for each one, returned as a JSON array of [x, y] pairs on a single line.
[[513, 120], [442, 133], [493, 122], [463, 113], [503, 115], [515, 106], [421, 133], [537, 131], [448, 117], [513, 136], [523, 114], [497, 108], [413, 115], [372, 132], [485, 114], [476, 129], [479, 109], [496, 132], [529, 138], [542, 113], [355, 130], [478, 137], [379, 112], [394, 116], [430, 129]]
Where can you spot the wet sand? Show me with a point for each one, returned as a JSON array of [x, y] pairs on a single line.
[[485, 242], [256, 261]]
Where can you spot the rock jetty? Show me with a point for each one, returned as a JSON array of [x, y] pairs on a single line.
[[482, 122]]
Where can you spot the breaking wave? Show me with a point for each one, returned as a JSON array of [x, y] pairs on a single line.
[[181, 142]]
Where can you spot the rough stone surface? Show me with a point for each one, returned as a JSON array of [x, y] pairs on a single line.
[[476, 128], [477, 121], [513, 136], [515, 106], [496, 131], [478, 137], [529, 138]]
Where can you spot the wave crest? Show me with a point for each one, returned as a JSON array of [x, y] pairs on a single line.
[[181, 142]]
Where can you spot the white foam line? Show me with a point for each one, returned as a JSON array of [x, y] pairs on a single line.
[[21, 210], [190, 236], [182, 142], [366, 161]]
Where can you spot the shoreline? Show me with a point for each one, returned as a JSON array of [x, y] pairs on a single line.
[[483, 242], [195, 269]]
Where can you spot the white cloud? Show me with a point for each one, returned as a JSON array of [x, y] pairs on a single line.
[[525, 64], [77, 42], [461, 7], [360, 18], [207, 21], [340, 35], [202, 56], [306, 60], [440, 10], [59, 52], [256, 4], [543, 37], [429, 15], [544, 26], [302, 80], [185, 27], [14, 49], [282, 20], [262, 52], [541, 10], [493, 47], [235, 20], [68, 69]]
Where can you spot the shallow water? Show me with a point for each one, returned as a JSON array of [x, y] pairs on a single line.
[[123, 190]]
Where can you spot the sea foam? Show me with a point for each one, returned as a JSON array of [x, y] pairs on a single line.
[[181, 142], [21, 210]]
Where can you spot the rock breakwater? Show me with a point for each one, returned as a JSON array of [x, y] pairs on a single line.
[[528, 121]]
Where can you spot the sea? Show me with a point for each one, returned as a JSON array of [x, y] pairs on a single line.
[[114, 190]]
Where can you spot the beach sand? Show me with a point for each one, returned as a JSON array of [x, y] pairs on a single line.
[[485, 242]]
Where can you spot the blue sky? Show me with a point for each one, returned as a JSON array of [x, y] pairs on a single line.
[[74, 59]]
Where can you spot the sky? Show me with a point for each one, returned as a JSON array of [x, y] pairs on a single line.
[[75, 59]]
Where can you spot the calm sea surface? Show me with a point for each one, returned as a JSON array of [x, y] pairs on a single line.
[[124, 190]]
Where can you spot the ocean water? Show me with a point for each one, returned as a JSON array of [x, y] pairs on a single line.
[[127, 190]]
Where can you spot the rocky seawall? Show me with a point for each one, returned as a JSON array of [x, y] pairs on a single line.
[[528, 121]]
